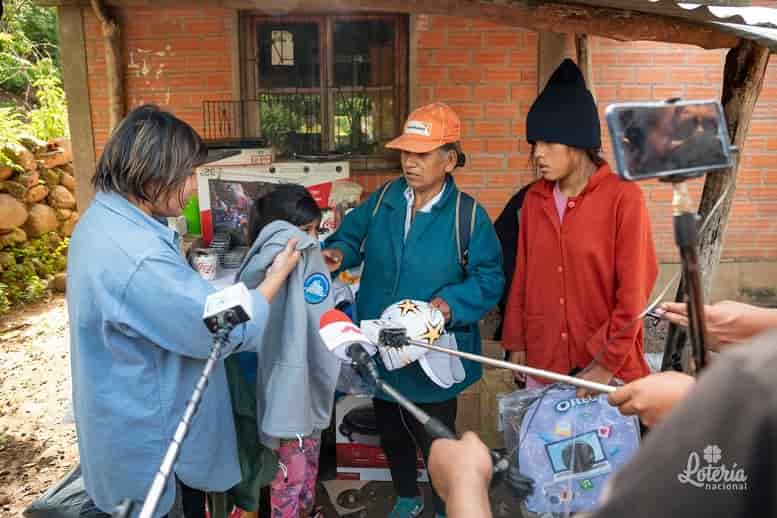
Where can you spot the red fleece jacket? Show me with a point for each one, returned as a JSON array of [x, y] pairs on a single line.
[[579, 283]]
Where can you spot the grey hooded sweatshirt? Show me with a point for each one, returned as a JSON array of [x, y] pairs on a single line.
[[296, 374]]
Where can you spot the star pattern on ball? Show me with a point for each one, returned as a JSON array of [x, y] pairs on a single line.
[[407, 306], [433, 332]]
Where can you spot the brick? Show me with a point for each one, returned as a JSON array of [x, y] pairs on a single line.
[[424, 58], [473, 145], [486, 162], [448, 22], [465, 74], [687, 75], [479, 24], [453, 93], [469, 180], [519, 163], [604, 58], [634, 93], [672, 58], [503, 74], [506, 39], [652, 74], [523, 93], [662, 93], [468, 110], [468, 40], [511, 179], [500, 110], [754, 160], [489, 57], [491, 93], [502, 145], [487, 129], [431, 74], [709, 57], [214, 26], [497, 197], [524, 57], [635, 58], [702, 92], [452, 57], [615, 73], [768, 193], [431, 40]]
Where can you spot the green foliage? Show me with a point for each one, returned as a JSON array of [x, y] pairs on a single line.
[[11, 127], [49, 119], [34, 263], [28, 34]]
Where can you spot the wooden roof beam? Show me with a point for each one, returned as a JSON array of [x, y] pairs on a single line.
[[617, 24]]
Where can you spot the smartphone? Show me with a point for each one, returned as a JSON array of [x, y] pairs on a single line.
[[670, 139]]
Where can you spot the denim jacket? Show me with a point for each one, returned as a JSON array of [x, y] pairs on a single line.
[[138, 346]]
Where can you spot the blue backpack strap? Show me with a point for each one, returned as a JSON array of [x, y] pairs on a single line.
[[384, 188], [465, 225]]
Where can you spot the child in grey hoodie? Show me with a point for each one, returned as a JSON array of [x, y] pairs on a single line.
[[295, 374]]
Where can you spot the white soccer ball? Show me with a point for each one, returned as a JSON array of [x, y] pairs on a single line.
[[422, 321]]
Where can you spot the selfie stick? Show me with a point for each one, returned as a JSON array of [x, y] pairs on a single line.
[[367, 370], [224, 324], [686, 238], [398, 338]]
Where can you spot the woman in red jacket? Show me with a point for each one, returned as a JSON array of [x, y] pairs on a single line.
[[586, 264]]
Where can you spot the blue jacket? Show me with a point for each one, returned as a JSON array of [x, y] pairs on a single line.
[[423, 267], [137, 348]]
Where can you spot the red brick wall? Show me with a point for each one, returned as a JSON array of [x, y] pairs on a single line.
[[175, 58], [487, 72]]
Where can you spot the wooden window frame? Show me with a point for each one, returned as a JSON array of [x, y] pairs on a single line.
[[249, 73]]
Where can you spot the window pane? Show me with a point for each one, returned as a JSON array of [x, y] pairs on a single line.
[[291, 122], [364, 85], [364, 53], [289, 55], [364, 121]]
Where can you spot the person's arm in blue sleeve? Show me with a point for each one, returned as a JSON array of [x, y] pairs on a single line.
[[164, 301], [352, 231], [480, 291]]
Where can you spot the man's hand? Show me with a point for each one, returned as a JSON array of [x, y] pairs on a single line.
[[652, 397], [519, 358], [461, 472], [443, 307], [597, 374], [727, 322], [333, 258]]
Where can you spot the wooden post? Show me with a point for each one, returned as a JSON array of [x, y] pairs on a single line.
[[743, 77], [551, 51], [582, 44], [79, 108], [113, 64]]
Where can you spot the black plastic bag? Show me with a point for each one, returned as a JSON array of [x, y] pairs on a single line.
[[66, 499]]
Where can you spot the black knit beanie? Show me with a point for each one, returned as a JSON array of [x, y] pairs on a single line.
[[565, 111]]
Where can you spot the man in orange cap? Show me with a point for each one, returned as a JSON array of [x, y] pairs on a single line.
[[408, 235]]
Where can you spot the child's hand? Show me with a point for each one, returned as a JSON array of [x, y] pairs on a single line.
[[442, 307]]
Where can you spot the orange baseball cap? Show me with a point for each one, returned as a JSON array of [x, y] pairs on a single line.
[[428, 128]]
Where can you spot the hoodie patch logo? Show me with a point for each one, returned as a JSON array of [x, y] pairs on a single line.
[[316, 288]]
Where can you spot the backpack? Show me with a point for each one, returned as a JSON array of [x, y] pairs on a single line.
[[465, 222]]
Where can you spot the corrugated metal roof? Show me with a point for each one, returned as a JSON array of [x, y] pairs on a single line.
[[740, 18], [727, 12]]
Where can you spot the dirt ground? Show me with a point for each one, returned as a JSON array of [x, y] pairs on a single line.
[[37, 434]]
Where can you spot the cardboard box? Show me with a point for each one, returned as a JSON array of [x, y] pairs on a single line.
[[479, 406], [250, 156], [226, 190], [359, 455]]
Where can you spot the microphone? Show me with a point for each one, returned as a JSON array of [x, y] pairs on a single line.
[[343, 338], [340, 334]]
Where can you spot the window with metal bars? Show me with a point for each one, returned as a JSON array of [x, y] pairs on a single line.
[[318, 84]]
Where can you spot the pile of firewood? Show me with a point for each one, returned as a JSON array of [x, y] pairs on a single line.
[[37, 193]]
